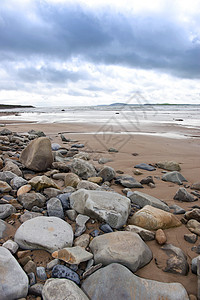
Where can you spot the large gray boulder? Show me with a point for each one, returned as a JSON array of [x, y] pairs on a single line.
[[62, 289], [122, 247], [105, 206], [37, 156], [47, 233], [143, 199], [13, 279], [82, 168], [116, 282]]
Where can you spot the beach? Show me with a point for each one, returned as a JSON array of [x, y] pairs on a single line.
[[149, 145]]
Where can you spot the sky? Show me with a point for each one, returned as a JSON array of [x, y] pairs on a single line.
[[61, 53]]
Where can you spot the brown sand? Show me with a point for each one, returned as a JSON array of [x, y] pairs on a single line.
[[150, 149]]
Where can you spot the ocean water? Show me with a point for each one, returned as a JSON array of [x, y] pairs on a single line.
[[134, 118]]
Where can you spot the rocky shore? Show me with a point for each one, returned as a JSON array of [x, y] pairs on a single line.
[[74, 227]]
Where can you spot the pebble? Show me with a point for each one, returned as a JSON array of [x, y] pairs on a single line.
[[11, 246], [60, 271], [41, 274], [160, 237]]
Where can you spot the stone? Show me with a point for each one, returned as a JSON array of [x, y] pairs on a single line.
[[102, 285], [32, 279], [71, 179], [91, 270], [47, 233], [55, 146], [177, 261], [52, 263], [73, 255], [77, 146], [152, 218], [109, 207], [81, 220], [191, 238], [54, 208], [61, 166], [64, 199], [4, 187], [146, 167], [18, 182], [145, 234], [104, 160], [194, 264], [71, 214], [174, 177], [137, 172], [11, 246], [177, 209], [13, 280], [29, 215], [82, 168], [41, 274], [6, 131], [42, 182], [6, 210], [28, 200], [7, 176], [183, 195], [107, 173], [169, 165], [195, 186], [30, 267], [62, 289], [37, 132], [24, 189], [96, 179], [36, 290], [52, 192], [82, 240], [160, 237], [60, 271], [12, 167], [194, 226], [113, 150], [147, 180], [82, 155], [37, 156], [143, 199], [84, 184], [6, 229], [106, 228], [125, 247], [193, 214], [128, 181]]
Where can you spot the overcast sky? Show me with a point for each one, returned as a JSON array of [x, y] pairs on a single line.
[[98, 52]]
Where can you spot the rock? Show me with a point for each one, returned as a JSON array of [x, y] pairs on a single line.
[[104, 160], [137, 172], [4, 187], [107, 173], [143, 199], [42, 182], [174, 177], [87, 185], [6, 229], [146, 167], [191, 238], [177, 209], [91, 270], [52, 263], [183, 195], [32, 279], [54, 208], [195, 186], [194, 226], [152, 218], [18, 182], [125, 247], [147, 180], [24, 189], [193, 214], [29, 215], [11, 246], [61, 289], [71, 214], [73, 255], [12, 167], [109, 207], [177, 261], [60, 271], [82, 241], [81, 220], [96, 180], [106, 228], [36, 290], [113, 150], [52, 192], [194, 264], [77, 146], [28, 200], [55, 146], [102, 285], [47, 233], [6, 210], [7, 176], [37, 156], [169, 165], [71, 179], [6, 131], [160, 237], [41, 274], [38, 133], [14, 281], [128, 181], [64, 199], [145, 234], [61, 166], [82, 168], [82, 155], [30, 267]]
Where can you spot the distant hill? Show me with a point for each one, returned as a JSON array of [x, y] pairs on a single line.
[[8, 106]]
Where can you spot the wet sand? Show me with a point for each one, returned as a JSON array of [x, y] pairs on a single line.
[[149, 149]]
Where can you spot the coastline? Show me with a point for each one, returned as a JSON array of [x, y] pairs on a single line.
[[149, 149]]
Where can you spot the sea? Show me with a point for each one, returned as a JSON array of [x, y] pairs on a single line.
[[137, 119]]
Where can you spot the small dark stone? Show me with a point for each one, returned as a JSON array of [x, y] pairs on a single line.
[[95, 233], [60, 271], [106, 228], [146, 167], [64, 199], [77, 146], [147, 180], [135, 154], [36, 289], [32, 279], [191, 238]]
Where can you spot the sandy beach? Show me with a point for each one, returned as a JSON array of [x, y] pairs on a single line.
[[135, 149]]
